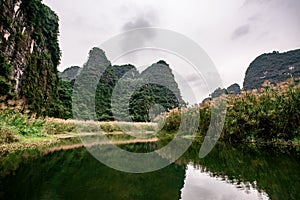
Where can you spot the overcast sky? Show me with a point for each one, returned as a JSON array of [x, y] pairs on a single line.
[[232, 32]]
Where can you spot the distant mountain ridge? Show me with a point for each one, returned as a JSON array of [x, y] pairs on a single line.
[[70, 73], [154, 86], [274, 67]]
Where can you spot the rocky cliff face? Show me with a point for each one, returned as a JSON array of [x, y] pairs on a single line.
[[234, 89], [161, 74], [70, 73], [29, 47], [274, 67], [154, 86]]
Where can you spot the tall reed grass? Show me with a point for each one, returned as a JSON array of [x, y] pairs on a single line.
[[270, 114]]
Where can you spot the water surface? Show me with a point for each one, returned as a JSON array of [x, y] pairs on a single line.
[[226, 173]]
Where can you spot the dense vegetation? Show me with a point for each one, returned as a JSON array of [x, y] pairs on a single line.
[[274, 67], [29, 43], [19, 130], [30, 87], [143, 92], [30, 54], [63, 104], [69, 73], [45, 23], [271, 114], [6, 87]]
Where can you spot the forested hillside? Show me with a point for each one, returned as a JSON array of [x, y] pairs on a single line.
[[274, 67], [122, 92], [29, 54]]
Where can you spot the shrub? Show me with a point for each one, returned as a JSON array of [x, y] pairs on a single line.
[[7, 135], [20, 123], [267, 115]]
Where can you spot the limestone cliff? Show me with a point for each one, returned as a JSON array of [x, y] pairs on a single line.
[[274, 67], [121, 92], [30, 52], [70, 73]]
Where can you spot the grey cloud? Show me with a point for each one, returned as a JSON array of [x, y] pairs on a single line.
[[193, 78], [292, 9], [254, 18], [249, 2], [139, 38], [147, 18], [140, 22], [240, 32]]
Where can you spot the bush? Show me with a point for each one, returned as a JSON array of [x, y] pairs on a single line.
[[20, 123], [267, 115], [7, 135], [172, 121], [58, 126]]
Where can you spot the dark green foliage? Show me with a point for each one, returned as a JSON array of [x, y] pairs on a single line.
[[45, 23], [5, 73], [122, 93], [172, 122], [140, 103], [159, 88], [103, 94], [62, 105], [5, 68], [32, 72], [5, 87], [135, 97], [65, 95], [13, 123], [19, 41], [85, 86], [121, 70], [147, 97], [4, 17], [274, 67], [40, 85], [142, 99]]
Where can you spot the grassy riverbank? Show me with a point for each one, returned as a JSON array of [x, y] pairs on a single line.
[[267, 116], [20, 131]]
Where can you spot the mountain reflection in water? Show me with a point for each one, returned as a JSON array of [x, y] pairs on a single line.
[[200, 185], [226, 173]]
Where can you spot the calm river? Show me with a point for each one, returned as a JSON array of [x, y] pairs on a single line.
[[226, 173]]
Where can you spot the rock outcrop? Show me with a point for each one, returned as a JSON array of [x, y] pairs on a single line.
[[120, 86], [70, 73], [234, 89], [29, 46], [274, 67]]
